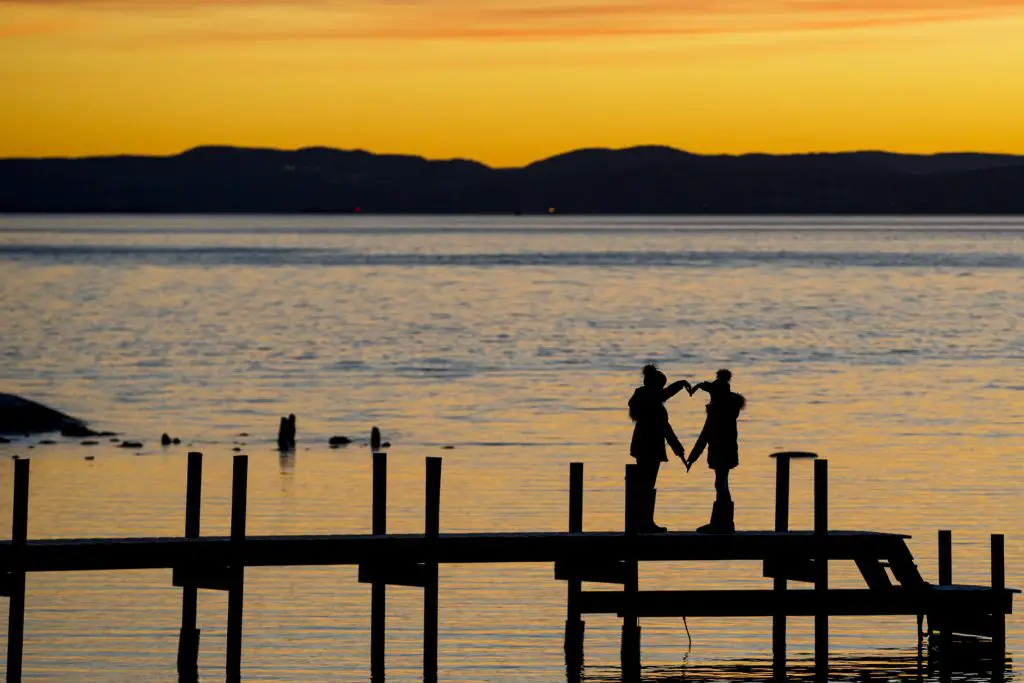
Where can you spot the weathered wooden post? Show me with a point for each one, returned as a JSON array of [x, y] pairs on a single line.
[[780, 578], [779, 582], [574, 625], [630, 652], [188, 638], [431, 533], [239, 484], [821, 569], [16, 581], [378, 588], [998, 613], [945, 579]]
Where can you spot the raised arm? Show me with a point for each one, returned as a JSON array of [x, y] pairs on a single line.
[[674, 388]]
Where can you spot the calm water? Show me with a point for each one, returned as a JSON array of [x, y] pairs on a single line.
[[893, 347]]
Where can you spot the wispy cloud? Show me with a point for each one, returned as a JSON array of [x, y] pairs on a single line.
[[521, 20]]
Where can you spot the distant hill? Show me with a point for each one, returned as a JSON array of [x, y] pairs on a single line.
[[639, 180]]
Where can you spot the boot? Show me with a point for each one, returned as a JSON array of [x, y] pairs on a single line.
[[650, 526], [721, 519], [711, 526], [726, 524]]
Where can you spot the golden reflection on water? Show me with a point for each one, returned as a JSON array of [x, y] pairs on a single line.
[[908, 379]]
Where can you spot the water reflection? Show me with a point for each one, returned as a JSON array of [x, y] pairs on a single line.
[[969, 662]]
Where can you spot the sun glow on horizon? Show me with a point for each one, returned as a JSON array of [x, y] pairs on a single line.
[[507, 82]]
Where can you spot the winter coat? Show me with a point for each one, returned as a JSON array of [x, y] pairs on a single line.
[[652, 428], [719, 433]]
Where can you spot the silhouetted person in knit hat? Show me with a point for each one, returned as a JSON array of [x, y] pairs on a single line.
[[720, 437], [651, 431]]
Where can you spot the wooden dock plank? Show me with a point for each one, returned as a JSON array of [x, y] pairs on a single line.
[[470, 548]]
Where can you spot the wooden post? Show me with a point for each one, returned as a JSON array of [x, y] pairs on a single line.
[[629, 521], [432, 531], [998, 615], [630, 652], [945, 558], [378, 588], [239, 484], [574, 625], [19, 538], [188, 637], [945, 579], [783, 462], [781, 526], [821, 569]]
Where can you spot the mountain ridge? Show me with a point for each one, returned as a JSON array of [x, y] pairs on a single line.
[[633, 180]]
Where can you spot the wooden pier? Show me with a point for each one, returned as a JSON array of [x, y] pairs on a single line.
[[894, 584]]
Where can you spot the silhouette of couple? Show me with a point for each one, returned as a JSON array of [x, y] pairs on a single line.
[[652, 431]]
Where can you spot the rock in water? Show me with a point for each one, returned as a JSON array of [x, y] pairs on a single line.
[[20, 416], [375, 439], [339, 441], [165, 440], [130, 444]]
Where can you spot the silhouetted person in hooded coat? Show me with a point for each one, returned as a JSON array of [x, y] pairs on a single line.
[[650, 433], [720, 437]]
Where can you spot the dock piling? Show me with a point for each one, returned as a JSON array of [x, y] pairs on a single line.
[[945, 579], [239, 485], [378, 588], [630, 649], [821, 569], [431, 533], [779, 583], [998, 616], [16, 582], [188, 637], [574, 624]]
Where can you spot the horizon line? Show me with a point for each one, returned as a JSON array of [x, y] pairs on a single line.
[[668, 148]]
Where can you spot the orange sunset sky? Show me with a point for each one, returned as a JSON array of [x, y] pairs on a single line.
[[510, 81]]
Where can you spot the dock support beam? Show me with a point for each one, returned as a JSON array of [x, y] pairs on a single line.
[[998, 617], [574, 624], [19, 538], [630, 652], [821, 569], [188, 637], [432, 531], [378, 588], [239, 484]]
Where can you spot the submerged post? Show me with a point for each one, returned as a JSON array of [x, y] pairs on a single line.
[[378, 588], [431, 532], [239, 484], [19, 538], [574, 625], [998, 614], [188, 637], [821, 569]]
